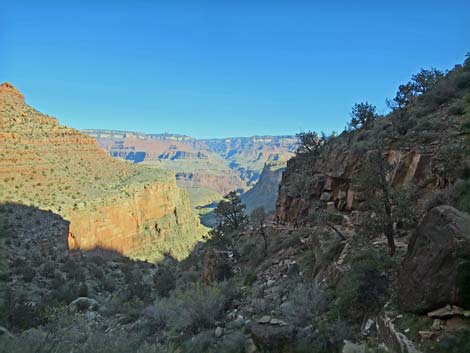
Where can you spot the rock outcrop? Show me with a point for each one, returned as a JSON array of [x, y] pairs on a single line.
[[264, 193], [8, 88], [136, 211], [272, 337], [155, 220], [413, 159], [392, 338], [434, 272]]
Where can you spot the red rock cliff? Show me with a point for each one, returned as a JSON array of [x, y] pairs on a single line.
[[136, 211]]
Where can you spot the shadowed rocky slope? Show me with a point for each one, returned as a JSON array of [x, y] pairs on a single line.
[[136, 211]]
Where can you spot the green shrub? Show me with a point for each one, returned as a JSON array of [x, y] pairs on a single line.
[[462, 195], [97, 272], [164, 281], [28, 273], [24, 313], [364, 288], [136, 286], [83, 290], [199, 343], [463, 279], [190, 310], [250, 278], [455, 343], [305, 303], [231, 343]]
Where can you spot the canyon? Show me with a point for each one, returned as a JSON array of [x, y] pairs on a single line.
[[135, 210], [316, 276], [219, 165]]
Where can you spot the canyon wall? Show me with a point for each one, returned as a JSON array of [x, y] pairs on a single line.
[[135, 210], [427, 158], [265, 192], [155, 219], [221, 165]]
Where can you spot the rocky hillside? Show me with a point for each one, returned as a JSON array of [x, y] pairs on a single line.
[[401, 180], [423, 146], [136, 211], [221, 165]]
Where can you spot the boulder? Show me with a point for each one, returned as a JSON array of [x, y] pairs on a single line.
[[427, 335], [437, 325], [272, 338], [4, 332], [435, 270], [330, 206], [219, 332], [446, 312], [456, 324], [394, 340], [326, 196], [84, 303], [264, 319]]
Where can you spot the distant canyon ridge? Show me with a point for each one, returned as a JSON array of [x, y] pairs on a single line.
[[207, 168]]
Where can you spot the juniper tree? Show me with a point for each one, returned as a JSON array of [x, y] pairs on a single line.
[[362, 116], [420, 83], [388, 204], [230, 212]]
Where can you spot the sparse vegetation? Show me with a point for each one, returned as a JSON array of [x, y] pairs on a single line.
[[230, 213], [362, 116], [258, 217], [420, 83], [310, 279]]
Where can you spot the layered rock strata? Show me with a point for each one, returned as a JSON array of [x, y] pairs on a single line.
[[111, 204]]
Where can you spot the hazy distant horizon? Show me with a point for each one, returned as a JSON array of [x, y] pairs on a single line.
[[222, 69], [186, 135]]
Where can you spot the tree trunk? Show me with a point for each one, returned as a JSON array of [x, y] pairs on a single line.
[[388, 227]]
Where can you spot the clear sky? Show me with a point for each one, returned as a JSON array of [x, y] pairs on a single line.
[[222, 68]]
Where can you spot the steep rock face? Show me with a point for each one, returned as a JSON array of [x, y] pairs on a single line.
[[264, 193], [435, 270], [154, 220], [109, 203], [331, 180], [426, 160]]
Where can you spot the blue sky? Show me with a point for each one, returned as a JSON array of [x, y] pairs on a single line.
[[222, 68]]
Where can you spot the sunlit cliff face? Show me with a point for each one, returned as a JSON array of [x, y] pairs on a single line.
[[111, 204]]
